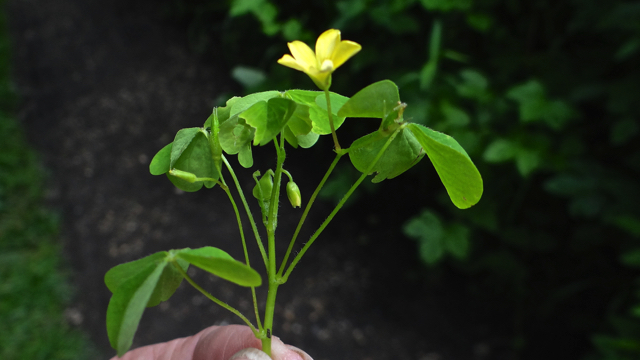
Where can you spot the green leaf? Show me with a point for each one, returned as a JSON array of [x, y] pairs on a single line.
[[235, 138], [196, 159], [403, 152], [299, 128], [160, 163], [119, 274], [500, 150], [128, 303], [456, 240], [316, 102], [221, 264], [242, 104], [268, 118], [457, 172], [181, 142], [527, 160], [428, 231], [454, 115], [374, 101], [168, 283]]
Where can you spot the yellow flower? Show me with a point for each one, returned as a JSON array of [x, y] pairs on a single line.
[[330, 53]]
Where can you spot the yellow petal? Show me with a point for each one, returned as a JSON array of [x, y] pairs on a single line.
[[287, 60], [303, 54], [326, 44], [343, 52]]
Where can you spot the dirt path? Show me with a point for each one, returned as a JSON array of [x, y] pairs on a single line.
[[105, 85]]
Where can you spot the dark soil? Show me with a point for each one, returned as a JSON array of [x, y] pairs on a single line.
[[106, 84]]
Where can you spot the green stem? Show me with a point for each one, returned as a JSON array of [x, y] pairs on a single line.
[[246, 207], [271, 241], [214, 299], [340, 204], [306, 212], [244, 244], [333, 130]]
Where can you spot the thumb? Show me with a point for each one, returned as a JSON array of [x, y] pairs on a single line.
[[279, 351]]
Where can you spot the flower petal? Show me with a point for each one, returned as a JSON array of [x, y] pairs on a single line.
[[326, 44], [343, 52], [303, 54], [289, 61]]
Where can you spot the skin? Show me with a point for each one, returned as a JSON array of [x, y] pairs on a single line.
[[234, 342]]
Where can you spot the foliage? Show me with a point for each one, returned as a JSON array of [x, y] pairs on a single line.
[[194, 159], [545, 93]]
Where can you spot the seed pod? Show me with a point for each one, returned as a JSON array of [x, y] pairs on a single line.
[[293, 193]]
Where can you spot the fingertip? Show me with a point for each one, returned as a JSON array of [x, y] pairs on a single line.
[[250, 354]]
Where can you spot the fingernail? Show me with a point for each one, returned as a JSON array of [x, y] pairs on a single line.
[[250, 354], [303, 354]]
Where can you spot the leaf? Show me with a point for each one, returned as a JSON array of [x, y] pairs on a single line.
[[160, 163], [168, 283], [457, 172], [235, 138], [456, 240], [128, 303], [181, 142], [374, 101], [268, 118], [242, 104], [403, 152], [195, 159], [316, 102], [221, 264], [499, 150], [119, 274]]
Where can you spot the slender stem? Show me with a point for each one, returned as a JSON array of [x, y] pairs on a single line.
[[213, 298], [239, 220], [244, 247], [271, 241], [246, 207], [340, 204], [333, 130], [306, 212]]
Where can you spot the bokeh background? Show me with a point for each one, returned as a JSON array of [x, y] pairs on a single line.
[[542, 94]]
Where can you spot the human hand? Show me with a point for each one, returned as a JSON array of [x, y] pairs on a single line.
[[232, 342]]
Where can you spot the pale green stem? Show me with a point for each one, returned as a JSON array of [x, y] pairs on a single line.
[[333, 130], [246, 207], [306, 212], [340, 204], [214, 299]]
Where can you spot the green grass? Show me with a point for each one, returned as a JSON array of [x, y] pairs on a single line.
[[34, 289]]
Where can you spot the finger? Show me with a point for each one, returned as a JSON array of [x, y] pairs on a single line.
[[280, 351], [222, 342], [176, 349]]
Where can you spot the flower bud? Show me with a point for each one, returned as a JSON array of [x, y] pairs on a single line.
[[187, 176], [293, 193]]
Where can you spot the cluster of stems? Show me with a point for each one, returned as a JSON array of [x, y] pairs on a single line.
[[263, 330]]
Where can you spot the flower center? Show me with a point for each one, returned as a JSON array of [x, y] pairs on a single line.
[[327, 66]]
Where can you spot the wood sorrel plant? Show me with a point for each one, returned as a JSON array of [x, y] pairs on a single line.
[[196, 158]]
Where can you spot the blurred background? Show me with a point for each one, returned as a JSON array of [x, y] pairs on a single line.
[[542, 94]]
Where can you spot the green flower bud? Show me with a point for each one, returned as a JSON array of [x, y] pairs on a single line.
[[266, 185], [187, 176], [293, 193]]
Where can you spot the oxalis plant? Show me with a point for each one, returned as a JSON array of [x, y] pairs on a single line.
[[197, 157]]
